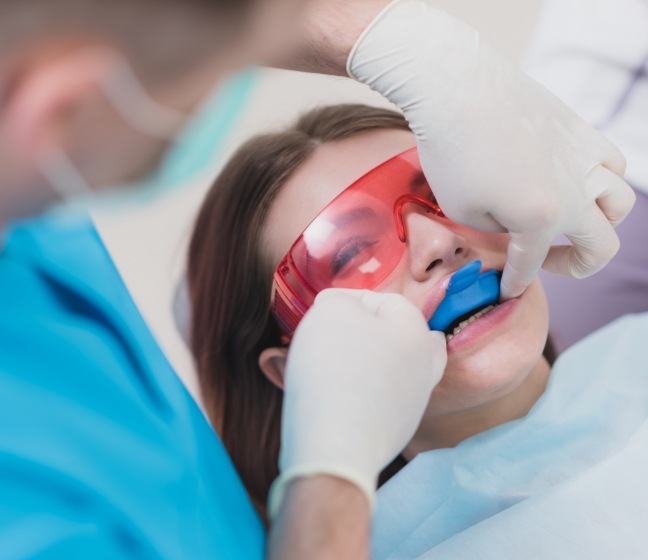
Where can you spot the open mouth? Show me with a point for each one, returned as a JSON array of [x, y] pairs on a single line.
[[470, 294], [460, 323]]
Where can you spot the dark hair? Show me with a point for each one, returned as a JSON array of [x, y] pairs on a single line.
[[230, 281]]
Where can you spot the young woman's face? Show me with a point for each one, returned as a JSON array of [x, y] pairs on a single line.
[[492, 355]]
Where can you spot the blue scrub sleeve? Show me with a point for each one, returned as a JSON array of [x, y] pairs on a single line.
[[103, 453]]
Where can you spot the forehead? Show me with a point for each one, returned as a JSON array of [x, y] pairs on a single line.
[[330, 169]]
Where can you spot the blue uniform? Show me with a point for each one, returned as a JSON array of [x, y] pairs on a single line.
[[103, 453]]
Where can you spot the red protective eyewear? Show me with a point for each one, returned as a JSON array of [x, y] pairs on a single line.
[[355, 242]]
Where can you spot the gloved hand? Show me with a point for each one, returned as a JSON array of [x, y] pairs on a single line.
[[499, 150], [360, 371]]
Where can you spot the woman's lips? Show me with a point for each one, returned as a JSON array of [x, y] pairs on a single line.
[[483, 326], [438, 292]]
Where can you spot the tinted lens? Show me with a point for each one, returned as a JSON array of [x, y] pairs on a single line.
[[353, 242], [353, 245]]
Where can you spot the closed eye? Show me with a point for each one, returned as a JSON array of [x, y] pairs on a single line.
[[350, 249]]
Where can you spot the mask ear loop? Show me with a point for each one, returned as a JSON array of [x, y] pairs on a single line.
[[136, 106], [127, 95], [62, 175]]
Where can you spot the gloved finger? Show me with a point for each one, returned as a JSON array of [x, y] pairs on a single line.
[[393, 306], [592, 248], [371, 301], [377, 303], [368, 300], [613, 158], [526, 253], [335, 293], [437, 341], [613, 195]]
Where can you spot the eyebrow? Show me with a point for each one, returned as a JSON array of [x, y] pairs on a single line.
[[352, 215], [416, 180]]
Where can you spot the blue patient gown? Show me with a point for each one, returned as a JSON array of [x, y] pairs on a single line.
[[103, 453], [566, 481]]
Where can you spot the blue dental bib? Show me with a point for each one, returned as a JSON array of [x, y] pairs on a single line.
[[468, 290]]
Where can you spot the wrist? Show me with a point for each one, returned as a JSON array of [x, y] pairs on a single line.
[[365, 485], [321, 516], [330, 29]]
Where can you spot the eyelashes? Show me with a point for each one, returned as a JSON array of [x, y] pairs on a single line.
[[348, 251]]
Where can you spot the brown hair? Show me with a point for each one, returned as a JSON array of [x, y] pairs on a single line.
[[230, 282]]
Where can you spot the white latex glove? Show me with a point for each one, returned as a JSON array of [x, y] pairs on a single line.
[[500, 151], [360, 371]]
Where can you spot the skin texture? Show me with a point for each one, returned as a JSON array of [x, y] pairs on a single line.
[[495, 373]]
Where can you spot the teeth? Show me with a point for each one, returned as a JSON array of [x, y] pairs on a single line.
[[465, 323]]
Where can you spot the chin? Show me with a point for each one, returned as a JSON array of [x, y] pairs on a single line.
[[491, 368]]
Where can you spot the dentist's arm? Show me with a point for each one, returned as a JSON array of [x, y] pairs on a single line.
[[359, 375], [322, 517], [500, 151]]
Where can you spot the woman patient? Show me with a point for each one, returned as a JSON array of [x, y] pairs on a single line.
[[268, 238]]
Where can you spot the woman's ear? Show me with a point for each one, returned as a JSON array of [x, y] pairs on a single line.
[[272, 362]]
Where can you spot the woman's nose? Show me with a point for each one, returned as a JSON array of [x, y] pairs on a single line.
[[432, 244]]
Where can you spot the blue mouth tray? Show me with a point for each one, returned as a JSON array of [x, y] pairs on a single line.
[[468, 289]]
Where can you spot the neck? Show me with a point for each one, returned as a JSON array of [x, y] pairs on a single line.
[[448, 429]]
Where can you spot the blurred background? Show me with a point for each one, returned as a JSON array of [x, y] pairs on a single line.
[[148, 241]]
